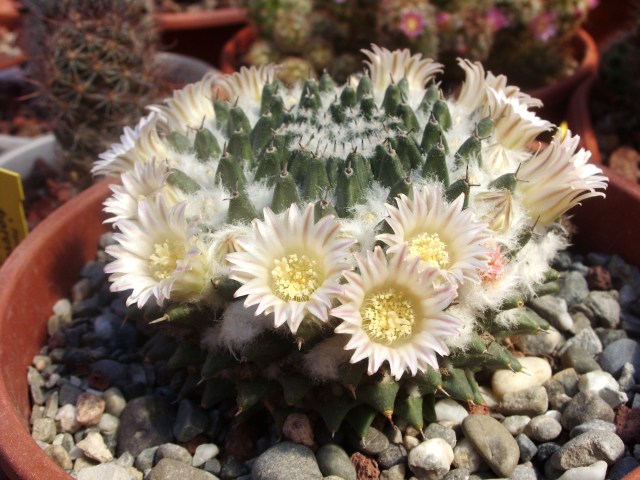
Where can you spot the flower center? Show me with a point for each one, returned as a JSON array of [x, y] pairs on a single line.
[[165, 258], [295, 277], [387, 316], [430, 249]]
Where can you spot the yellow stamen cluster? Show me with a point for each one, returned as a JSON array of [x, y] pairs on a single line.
[[430, 249], [388, 316], [295, 277], [165, 258]]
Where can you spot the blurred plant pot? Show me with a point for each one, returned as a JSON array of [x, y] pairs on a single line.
[[611, 225], [200, 34], [9, 14], [555, 97], [39, 272], [234, 50]]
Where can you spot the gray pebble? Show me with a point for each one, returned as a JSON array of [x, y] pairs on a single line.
[[617, 354], [68, 394], [457, 474], [106, 471], [554, 310], [608, 335], [397, 472], [333, 460], [145, 422], [493, 442], [622, 467], [583, 407], [191, 421], [44, 430], [436, 430], [587, 449], [542, 343], [603, 308], [587, 339], [530, 401], [592, 425], [543, 428], [144, 460], [580, 360], [580, 321], [286, 461], [627, 377], [169, 469], [373, 442], [545, 450], [573, 288], [233, 468], [392, 455], [524, 472], [125, 460], [569, 380], [213, 466], [528, 449], [174, 452], [515, 424]]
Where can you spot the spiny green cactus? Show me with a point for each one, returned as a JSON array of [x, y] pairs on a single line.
[[349, 251], [94, 64]]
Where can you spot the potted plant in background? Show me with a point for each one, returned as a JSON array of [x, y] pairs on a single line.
[[428, 202], [312, 36], [198, 28], [604, 112]]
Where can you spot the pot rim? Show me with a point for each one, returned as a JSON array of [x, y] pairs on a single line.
[[202, 19]]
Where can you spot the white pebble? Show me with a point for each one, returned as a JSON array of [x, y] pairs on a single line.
[[515, 424], [554, 414], [448, 410], [94, 447], [410, 442], [595, 471], [66, 419], [431, 459], [613, 397], [488, 396], [204, 452], [62, 307], [535, 371], [596, 381]]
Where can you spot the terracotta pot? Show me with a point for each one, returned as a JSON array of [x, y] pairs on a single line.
[[611, 225], [200, 34], [9, 14], [235, 49], [48, 262], [555, 96], [40, 271]]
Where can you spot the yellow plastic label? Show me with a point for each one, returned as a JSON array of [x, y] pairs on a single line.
[[13, 222]]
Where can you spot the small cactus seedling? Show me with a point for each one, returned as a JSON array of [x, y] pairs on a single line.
[[351, 250]]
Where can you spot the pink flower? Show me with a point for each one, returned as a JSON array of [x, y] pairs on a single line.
[[443, 19], [412, 23], [497, 19], [496, 265], [543, 26]]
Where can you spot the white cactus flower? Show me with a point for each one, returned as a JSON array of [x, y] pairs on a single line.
[[393, 312], [157, 255], [557, 179], [291, 266], [442, 236]]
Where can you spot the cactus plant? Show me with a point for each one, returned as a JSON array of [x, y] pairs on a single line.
[[349, 251], [94, 64]]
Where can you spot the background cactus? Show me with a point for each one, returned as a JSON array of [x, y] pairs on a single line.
[[530, 41], [94, 64], [351, 251]]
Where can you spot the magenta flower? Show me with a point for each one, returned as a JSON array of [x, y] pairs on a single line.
[[497, 19], [412, 23], [544, 26]]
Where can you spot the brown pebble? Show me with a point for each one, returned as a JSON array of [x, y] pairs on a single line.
[[366, 468], [99, 380], [89, 408], [624, 160], [599, 278], [240, 441], [297, 428], [628, 424]]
